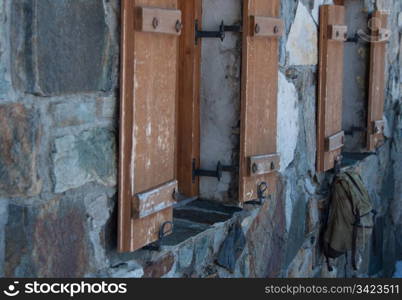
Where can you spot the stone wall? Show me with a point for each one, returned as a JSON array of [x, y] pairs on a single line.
[[58, 99], [58, 114]]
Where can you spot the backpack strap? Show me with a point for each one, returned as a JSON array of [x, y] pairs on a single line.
[[374, 235], [354, 241], [330, 268], [354, 237]]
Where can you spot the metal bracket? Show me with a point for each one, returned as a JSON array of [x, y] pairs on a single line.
[[335, 142], [337, 32], [262, 188], [338, 164], [365, 38], [220, 34], [216, 174], [156, 246]]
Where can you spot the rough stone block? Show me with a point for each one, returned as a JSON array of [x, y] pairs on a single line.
[[288, 121], [71, 114], [186, 254], [302, 44], [312, 217], [106, 108], [60, 47], [130, 269], [49, 240], [160, 267], [231, 248], [3, 221], [302, 265], [265, 239], [87, 157], [19, 138], [4, 84]]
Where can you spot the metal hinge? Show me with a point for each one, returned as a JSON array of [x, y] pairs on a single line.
[[215, 173], [220, 34]]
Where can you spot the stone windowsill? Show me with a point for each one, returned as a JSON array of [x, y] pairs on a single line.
[[196, 217]]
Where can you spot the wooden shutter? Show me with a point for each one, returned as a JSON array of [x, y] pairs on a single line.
[[379, 38], [258, 158], [150, 51], [330, 137], [189, 100]]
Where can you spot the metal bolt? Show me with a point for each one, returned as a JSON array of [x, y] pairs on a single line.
[[179, 26], [276, 29], [257, 28], [155, 23], [255, 168]]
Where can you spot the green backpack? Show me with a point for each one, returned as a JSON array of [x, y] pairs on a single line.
[[351, 217]]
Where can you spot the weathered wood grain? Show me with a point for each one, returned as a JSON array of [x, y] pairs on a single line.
[[154, 200], [188, 146], [330, 85], [259, 97], [150, 19], [266, 26], [264, 164], [148, 107], [378, 49]]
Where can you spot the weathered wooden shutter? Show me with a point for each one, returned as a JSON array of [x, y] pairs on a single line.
[[330, 137], [379, 37], [150, 50], [188, 146], [258, 158]]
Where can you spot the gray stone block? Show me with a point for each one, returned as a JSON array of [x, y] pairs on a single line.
[[71, 113], [49, 240], [87, 157], [186, 254], [60, 47], [19, 139], [4, 84], [3, 221]]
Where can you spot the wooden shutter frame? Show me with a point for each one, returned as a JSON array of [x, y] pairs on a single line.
[[259, 145], [188, 147], [136, 228], [376, 99], [330, 137]]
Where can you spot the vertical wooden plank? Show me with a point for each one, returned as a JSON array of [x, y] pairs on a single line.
[[126, 122], [378, 51], [189, 99], [148, 121], [330, 85], [155, 69], [259, 97]]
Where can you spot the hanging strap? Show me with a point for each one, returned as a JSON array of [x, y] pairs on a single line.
[[330, 268], [354, 238]]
